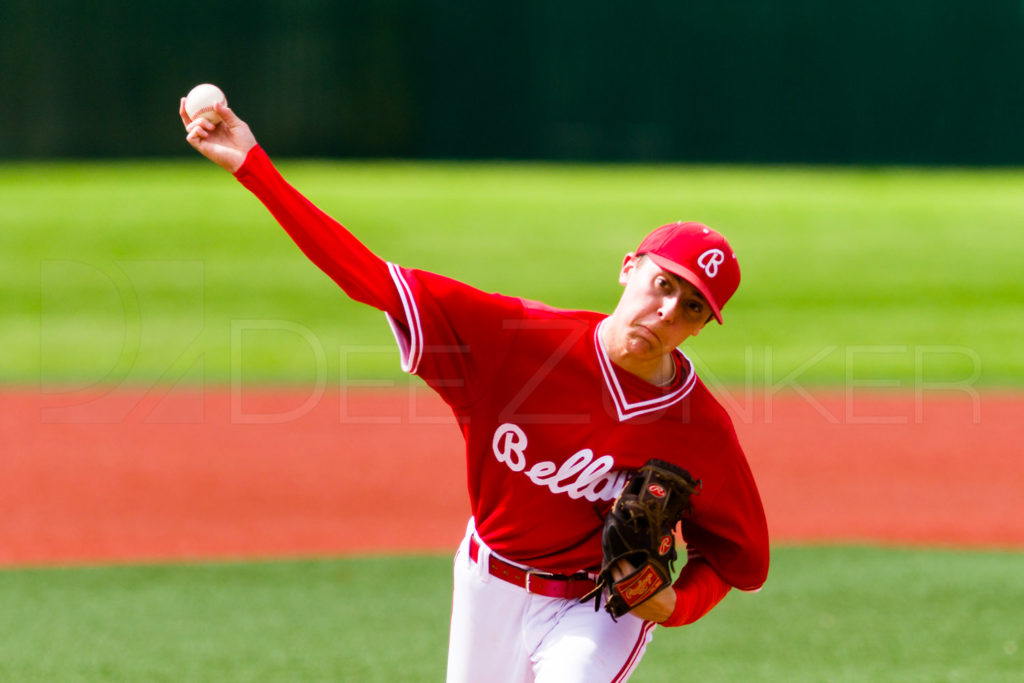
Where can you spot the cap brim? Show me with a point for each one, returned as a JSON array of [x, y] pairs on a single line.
[[692, 278]]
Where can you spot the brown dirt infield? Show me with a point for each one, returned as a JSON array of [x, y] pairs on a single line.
[[127, 476]]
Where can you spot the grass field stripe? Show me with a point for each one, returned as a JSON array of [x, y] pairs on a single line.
[[60, 213]]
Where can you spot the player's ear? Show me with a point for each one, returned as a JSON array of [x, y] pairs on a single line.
[[628, 264]]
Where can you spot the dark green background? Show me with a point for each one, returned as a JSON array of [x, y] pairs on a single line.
[[852, 81]]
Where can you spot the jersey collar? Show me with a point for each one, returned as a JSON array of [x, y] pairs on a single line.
[[625, 408]]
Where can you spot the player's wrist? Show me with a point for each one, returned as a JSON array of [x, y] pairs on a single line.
[[252, 157], [680, 610], [663, 605]]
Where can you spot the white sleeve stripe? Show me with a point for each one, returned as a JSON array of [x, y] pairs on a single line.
[[411, 353]]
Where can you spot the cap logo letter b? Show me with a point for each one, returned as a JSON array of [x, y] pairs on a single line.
[[710, 260]]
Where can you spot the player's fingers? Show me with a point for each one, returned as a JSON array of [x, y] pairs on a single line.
[[184, 114], [201, 124], [226, 114], [196, 132], [622, 568]]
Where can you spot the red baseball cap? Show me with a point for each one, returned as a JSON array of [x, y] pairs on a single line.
[[699, 255]]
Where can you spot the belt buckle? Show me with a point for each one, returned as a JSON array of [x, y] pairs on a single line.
[[529, 573]]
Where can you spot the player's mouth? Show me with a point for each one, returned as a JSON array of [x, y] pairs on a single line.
[[648, 333]]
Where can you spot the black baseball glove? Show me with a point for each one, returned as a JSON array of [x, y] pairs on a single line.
[[639, 529]]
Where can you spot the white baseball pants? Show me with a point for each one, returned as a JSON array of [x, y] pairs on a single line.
[[502, 634]]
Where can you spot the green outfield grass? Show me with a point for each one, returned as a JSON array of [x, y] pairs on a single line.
[[826, 614], [171, 271]]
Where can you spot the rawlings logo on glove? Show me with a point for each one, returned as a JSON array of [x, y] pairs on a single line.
[[638, 530]]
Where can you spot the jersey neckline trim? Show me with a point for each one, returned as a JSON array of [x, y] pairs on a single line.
[[625, 408]]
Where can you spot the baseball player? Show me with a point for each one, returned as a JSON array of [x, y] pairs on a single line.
[[557, 408]]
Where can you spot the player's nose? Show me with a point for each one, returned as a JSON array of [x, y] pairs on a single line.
[[667, 309]]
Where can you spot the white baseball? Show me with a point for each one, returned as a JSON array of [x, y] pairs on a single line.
[[200, 101]]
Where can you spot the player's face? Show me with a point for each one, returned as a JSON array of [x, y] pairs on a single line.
[[658, 310]]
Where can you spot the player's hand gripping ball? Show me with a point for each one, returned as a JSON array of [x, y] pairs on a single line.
[[200, 101]]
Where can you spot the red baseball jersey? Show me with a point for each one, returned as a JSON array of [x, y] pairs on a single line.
[[553, 428]]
